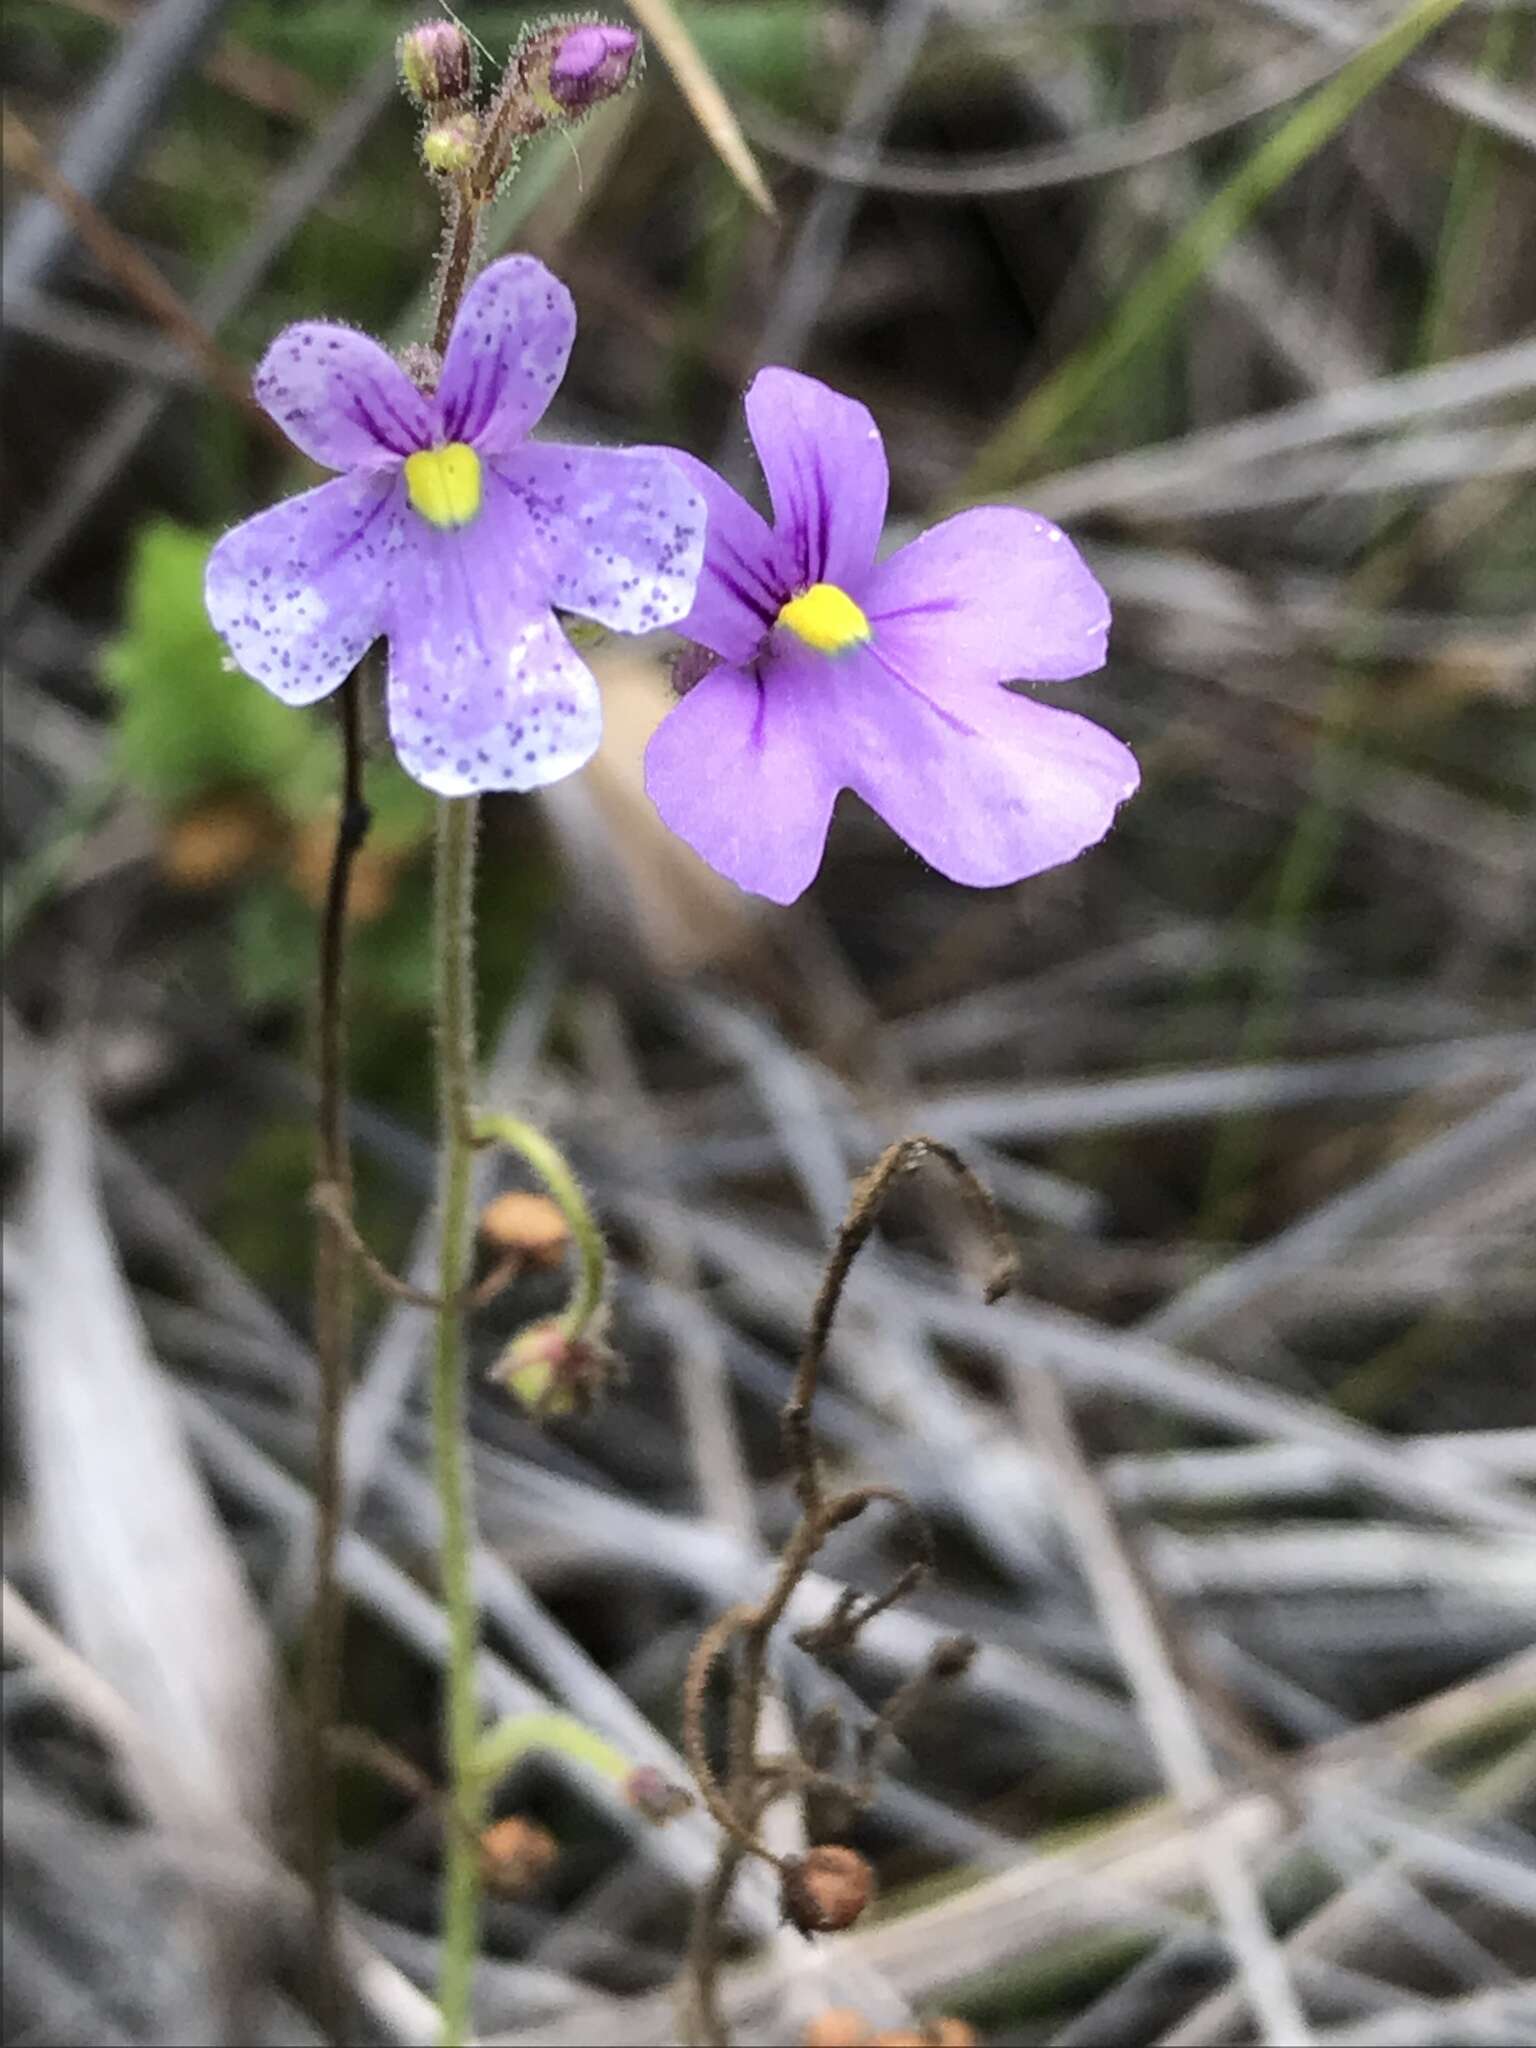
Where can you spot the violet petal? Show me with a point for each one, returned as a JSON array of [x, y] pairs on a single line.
[[621, 531], [989, 788], [301, 591], [485, 691], [987, 596], [341, 398], [825, 464], [737, 771], [506, 355]]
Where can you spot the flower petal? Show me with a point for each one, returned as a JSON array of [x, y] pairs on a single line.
[[825, 464], [622, 531], [987, 794], [741, 584], [340, 397], [736, 771], [506, 355], [987, 596], [300, 592], [485, 691]]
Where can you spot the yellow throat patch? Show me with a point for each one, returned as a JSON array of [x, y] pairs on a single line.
[[444, 483], [825, 618]]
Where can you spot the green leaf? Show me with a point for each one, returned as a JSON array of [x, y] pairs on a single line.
[[187, 725]]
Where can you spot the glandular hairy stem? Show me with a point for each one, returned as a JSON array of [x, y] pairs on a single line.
[[454, 918]]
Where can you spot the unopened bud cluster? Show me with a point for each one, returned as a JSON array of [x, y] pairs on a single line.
[[556, 75]]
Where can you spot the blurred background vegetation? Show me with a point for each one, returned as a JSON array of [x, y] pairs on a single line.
[[1242, 292]]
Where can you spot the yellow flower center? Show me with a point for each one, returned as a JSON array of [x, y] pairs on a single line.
[[825, 618], [444, 483]]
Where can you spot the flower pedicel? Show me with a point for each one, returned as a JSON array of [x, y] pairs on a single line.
[[837, 672], [454, 536]]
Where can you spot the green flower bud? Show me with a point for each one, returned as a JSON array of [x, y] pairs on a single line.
[[451, 146]]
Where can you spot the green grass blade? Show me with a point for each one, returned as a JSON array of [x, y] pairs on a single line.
[[1157, 293]]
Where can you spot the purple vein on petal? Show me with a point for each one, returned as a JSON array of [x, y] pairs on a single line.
[[358, 407], [823, 511], [766, 605], [467, 404], [927, 608], [949, 718], [344, 547]]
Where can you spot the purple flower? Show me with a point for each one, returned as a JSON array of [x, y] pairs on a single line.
[[837, 672], [454, 536]]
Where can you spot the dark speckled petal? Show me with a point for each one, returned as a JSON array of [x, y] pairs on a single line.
[[485, 692], [300, 592], [506, 355], [341, 398], [621, 531]]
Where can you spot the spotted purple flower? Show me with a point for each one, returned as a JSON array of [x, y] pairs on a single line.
[[837, 672], [454, 536]]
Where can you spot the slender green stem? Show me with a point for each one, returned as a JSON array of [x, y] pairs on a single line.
[[548, 1162], [456, 818], [517, 1735]]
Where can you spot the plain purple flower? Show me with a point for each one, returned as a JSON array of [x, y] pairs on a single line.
[[837, 672], [453, 536]]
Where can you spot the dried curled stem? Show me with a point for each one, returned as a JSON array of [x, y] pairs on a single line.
[[829, 1892], [331, 1201], [868, 1200]]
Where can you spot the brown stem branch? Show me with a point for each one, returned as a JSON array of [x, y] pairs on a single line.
[[463, 235], [753, 1783], [331, 1202], [869, 1196], [333, 1346]]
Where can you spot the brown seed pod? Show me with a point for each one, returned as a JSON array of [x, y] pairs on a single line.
[[515, 1853], [533, 1225], [826, 1889]]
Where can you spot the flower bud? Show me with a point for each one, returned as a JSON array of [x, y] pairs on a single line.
[[564, 70], [451, 146], [592, 62], [654, 1796], [437, 63], [553, 1373], [826, 1889]]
